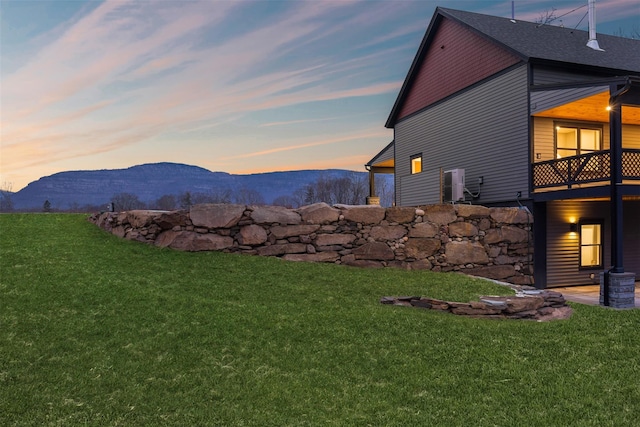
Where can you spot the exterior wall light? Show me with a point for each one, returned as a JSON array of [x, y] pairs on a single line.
[[573, 227]]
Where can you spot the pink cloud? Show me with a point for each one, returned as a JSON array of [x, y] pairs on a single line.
[[324, 141]]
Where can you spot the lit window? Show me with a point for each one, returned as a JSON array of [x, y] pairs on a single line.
[[416, 163], [591, 244], [572, 140]]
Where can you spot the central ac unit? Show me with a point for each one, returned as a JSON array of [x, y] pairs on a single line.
[[454, 185]]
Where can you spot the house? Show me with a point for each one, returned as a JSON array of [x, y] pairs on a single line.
[[521, 114]]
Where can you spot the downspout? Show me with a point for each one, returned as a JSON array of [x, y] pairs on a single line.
[[615, 126], [615, 95]]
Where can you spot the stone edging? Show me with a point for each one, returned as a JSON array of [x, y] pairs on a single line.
[[528, 303]]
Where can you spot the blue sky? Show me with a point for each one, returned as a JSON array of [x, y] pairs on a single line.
[[234, 86]]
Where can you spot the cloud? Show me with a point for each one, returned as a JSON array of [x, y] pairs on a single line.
[[320, 142], [572, 14], [295, 122], [355, 163], [125, 74], [120, 43]]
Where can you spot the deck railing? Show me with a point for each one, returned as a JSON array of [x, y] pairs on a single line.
[[584, 168]]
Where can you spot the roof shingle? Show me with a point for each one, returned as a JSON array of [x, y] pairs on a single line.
[[552, 43]]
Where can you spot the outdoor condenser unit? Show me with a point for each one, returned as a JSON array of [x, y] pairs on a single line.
[[454, 185]]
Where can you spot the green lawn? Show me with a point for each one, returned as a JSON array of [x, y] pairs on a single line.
[[95, 330]]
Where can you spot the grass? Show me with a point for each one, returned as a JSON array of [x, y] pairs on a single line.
[[95, 330]]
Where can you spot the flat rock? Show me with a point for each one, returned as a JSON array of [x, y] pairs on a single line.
[[374, 251], [216, 215], [275, 215], [466, 252], [462, 229], [390, 232], [319, 213], [168, 220], [521, 304], [420, 248], [282, 249], [334, 239], [401, 215], [363, 214], [317, 257], [142, 218], [284, 231], [424, 229], [440, 214], [193, 242], [472, 211], [252, 235], [511, 215], [506, 233]]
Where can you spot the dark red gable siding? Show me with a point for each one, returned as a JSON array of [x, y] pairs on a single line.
[[455, 59]]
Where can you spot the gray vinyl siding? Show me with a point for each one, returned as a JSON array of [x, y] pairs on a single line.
[[542, 76], [419, 189], [483, 130], [563, 249], [631, 221], [543, 143], [544, 100]]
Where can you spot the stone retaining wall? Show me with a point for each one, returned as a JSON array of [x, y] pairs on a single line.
[[487, 242]]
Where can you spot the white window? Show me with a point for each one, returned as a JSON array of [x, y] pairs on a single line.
[[591, 244], [572, 140]]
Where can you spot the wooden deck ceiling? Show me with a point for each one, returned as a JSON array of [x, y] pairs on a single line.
[[592, 108]]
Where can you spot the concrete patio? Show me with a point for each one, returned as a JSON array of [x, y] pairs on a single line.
[[589, 294]]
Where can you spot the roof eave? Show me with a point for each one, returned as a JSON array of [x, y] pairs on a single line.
[[438, 15], [380, 154], [582, 67]]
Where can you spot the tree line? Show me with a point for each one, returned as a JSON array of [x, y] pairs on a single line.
[[349, 190]]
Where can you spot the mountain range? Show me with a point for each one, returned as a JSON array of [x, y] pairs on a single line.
[[149, 182]]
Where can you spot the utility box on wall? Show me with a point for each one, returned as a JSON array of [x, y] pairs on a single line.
[[454, 185]]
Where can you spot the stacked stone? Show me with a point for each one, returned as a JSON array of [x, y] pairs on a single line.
[[622, 289], [487, 242], [537, 305]]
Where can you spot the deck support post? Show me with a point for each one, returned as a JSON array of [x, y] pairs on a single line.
[[616, 272], [372, 199], [615, 126]]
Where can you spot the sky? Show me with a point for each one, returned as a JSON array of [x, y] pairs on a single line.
[[234, 86]]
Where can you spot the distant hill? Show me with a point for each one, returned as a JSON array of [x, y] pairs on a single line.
[[149, 182]]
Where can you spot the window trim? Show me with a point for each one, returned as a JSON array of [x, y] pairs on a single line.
[[411, 163], [591, 221], [578, 126]]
